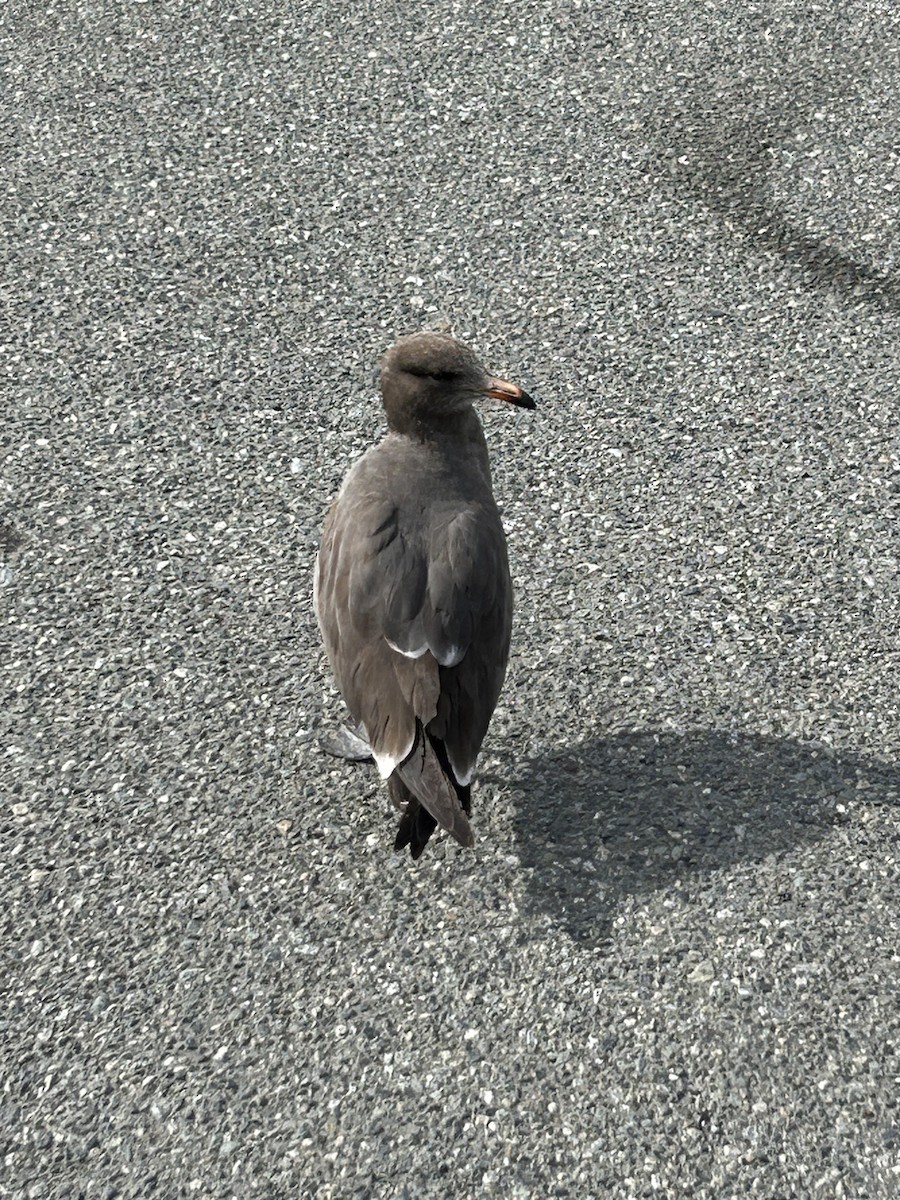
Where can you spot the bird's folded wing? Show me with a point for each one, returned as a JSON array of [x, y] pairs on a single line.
[[394, 608], [370, 591]]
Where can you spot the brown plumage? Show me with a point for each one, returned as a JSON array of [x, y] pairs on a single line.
[[412, 588]]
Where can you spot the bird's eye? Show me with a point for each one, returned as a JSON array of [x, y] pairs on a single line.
[[441, 376]]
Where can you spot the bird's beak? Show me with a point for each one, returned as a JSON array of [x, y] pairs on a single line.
[[511, 392]]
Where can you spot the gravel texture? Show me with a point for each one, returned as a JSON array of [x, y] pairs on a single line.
[[670, 968]]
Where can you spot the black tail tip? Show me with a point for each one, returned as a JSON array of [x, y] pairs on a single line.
[[416, 834], [416, 827]]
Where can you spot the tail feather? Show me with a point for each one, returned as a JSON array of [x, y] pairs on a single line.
[[415, 828], [434, 797]]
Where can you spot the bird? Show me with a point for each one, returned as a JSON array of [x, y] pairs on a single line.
[[412, 588]]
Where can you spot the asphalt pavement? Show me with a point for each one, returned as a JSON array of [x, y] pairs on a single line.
[[670, 966]]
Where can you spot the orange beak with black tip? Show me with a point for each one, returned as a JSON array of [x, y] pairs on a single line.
[[510, 392]]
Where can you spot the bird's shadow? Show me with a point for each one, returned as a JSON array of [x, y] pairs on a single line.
[[634, 813]]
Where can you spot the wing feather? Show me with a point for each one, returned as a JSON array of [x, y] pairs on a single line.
[[415, 612]]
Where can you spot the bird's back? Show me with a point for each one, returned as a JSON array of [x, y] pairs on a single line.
[[414, 596]]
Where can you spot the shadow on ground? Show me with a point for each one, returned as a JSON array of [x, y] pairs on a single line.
[[637, 812], [715, 132]]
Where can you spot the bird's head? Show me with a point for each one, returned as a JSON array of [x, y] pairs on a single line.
[[429, 378]]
